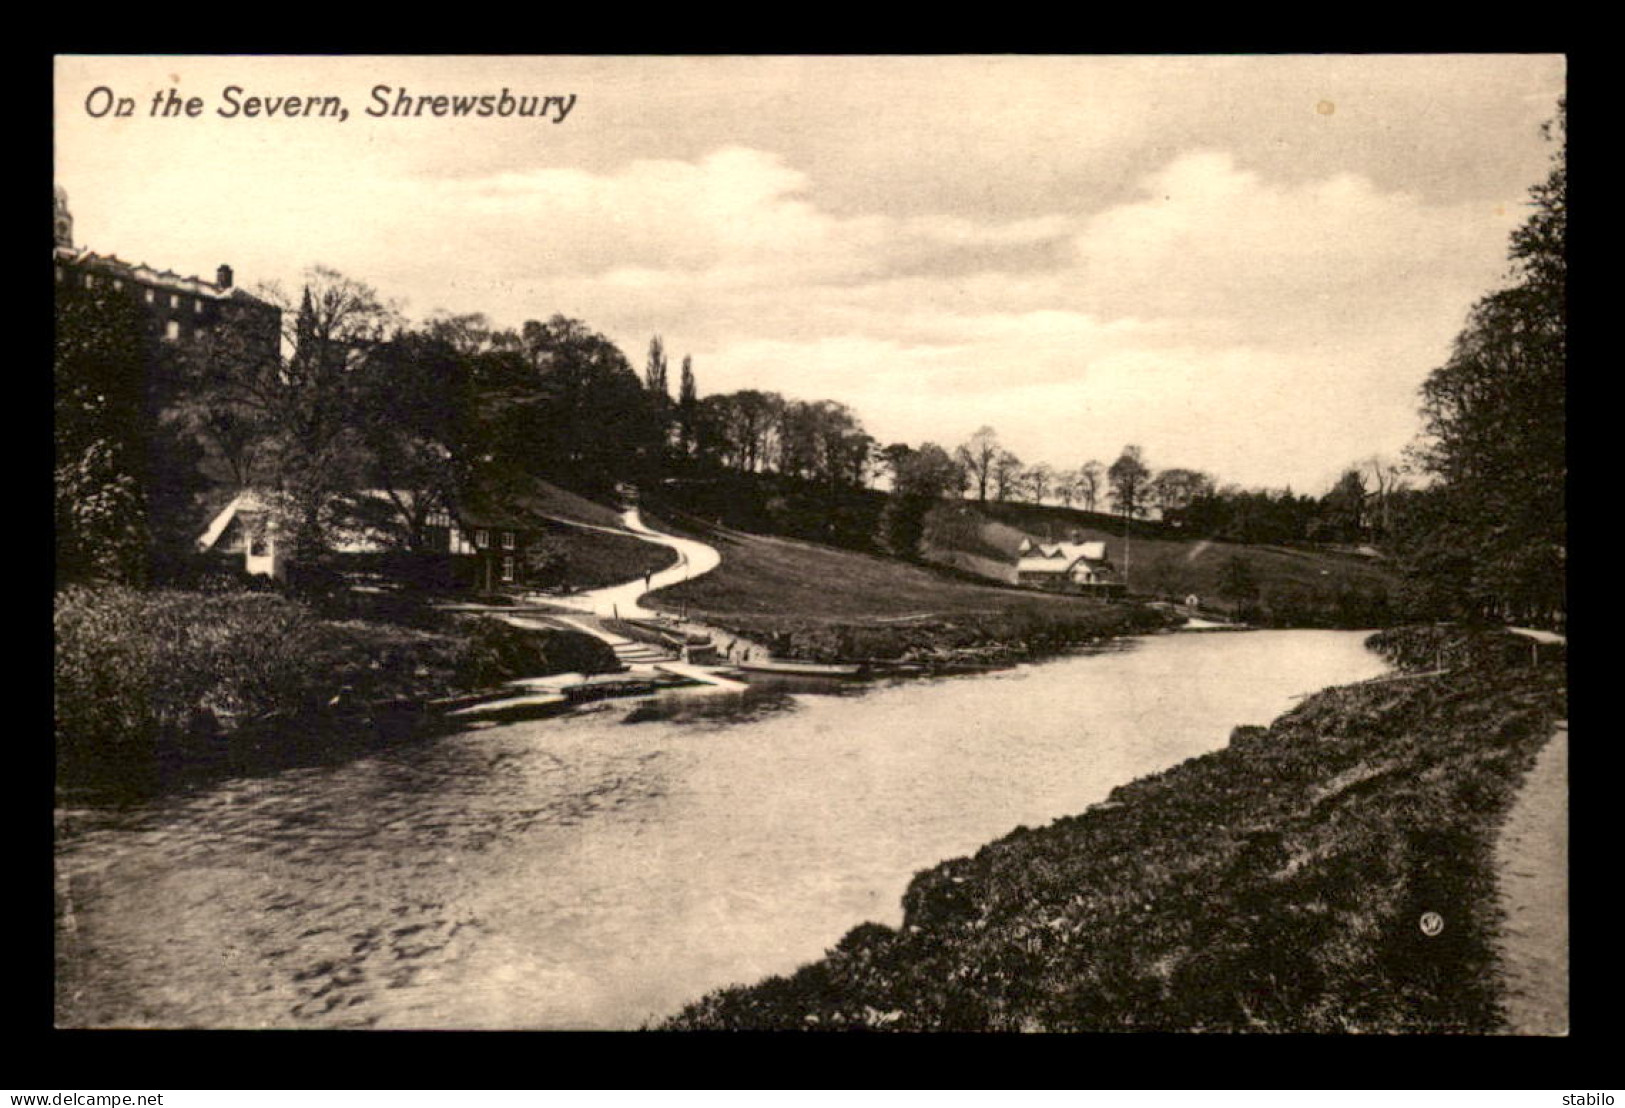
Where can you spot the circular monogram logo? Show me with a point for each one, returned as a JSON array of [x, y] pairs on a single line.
[[1432, 923]]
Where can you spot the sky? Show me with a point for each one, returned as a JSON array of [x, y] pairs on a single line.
[[1242, 264]]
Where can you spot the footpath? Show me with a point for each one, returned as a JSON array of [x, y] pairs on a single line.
[[1532, 867]]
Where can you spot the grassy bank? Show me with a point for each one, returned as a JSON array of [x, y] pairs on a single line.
[[1276, 885], [823, 603], [152, 686]]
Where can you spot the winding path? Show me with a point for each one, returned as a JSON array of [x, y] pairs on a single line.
[[693, 559]]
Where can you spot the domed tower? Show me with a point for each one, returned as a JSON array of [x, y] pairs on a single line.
[[64, 219]]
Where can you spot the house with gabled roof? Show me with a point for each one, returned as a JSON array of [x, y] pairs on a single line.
[[480, 543], [1065, 566]]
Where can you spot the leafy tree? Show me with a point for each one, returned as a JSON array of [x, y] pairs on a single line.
[[1343, 510], [1495, 422], [654, 375], [1238, 582], [103, 355], [1128, 476], [1174, 490], [921, 479], [688, 405]]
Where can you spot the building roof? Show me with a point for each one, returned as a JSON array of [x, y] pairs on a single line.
[[144, 274]]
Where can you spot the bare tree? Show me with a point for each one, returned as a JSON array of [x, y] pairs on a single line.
[[978, 457], [1090, 477], [1007, 474]]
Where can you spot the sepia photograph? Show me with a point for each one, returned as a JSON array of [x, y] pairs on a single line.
[[915, 543]]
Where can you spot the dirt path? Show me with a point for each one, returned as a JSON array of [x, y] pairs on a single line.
[[1531, 858]]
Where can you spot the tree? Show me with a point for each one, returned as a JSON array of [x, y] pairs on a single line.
[[1342, 512], [1494, 417], [688, 410], [978, 457], [588, 420], [1388, 480], [102, 359], [415, 420], [1127, 477], [1039, 479], [1006, 474], [1066, 486], [1090, 476], [921, 479], [312, 449], [654, 375], [1238, 582], [1174, 490]]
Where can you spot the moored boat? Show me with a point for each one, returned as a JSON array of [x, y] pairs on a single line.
[[801, 669]]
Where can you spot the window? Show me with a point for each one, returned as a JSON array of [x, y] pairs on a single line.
[[197, 307], [149, 296], [482, 538], [507, 540], [90, 280], [507, 567], [172, 329], [59, 274]]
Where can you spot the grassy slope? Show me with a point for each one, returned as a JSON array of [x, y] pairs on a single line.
[[596, 559], [1273, 886], [551, 500], [1163, 563], [772, 576]]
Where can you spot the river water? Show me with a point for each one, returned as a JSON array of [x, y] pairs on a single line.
[[599, 870]]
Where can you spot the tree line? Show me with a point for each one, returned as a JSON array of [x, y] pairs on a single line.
[[359, 398]]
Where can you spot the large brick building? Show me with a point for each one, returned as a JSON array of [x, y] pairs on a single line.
[[180, 307]]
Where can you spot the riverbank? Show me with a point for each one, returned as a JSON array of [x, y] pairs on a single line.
[[159, 688], [1287, 883]]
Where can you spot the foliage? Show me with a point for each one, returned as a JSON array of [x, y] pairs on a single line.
[[1495, 434], [103, 356], [920, 479], [145, 678], [1128, 476]]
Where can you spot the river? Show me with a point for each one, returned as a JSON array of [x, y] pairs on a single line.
[[599, 870]]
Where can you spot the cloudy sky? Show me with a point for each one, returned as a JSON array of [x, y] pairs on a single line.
[[1243, 264]]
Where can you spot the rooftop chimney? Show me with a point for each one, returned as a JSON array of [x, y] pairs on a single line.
[[222, 278]]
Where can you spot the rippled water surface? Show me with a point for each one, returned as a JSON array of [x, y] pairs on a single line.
[[598, 871]]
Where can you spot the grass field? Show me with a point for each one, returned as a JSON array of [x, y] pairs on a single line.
[[594, 558], [760, 575], [821, 603], [1295, 586], [1276, 885]]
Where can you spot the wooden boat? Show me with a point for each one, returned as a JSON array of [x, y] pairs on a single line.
[[801, 669], [610, 685]]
